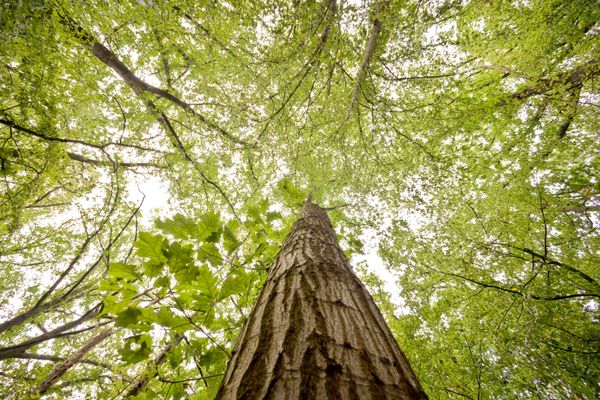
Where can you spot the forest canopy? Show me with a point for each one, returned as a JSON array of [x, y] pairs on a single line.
[[154, 154]]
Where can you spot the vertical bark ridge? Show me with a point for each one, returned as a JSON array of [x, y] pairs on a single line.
[[315, 332]]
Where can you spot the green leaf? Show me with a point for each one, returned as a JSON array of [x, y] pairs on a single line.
[[235, 283], [120, 270], [179, 257], [163, 282], [211, 227], [178, 390], [230, 242], [151, 269], [112, 305], [198, 301], [209, 252], [128, 317], [207, 282], [214, 359], [168, 318], [255, 214], [179, 226], [290, 192], [175, 357], [274, 215], [150, 246], [136, 348]]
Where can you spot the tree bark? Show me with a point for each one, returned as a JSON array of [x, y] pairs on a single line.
[[315, 332], [367, 55], [60, 369]]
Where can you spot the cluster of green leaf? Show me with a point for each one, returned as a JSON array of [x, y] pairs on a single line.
[[464, 133], [502, 283], [191, 288]]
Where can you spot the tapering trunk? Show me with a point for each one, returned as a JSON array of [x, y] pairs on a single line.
[[315, 332]]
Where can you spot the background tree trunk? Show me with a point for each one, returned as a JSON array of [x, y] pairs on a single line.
[[315, 332]]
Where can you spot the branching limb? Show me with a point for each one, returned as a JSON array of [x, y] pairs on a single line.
[[139, 86], [550, 261], [48, 357], [569, 112], [47, 138], [367, 56], [39, 305], [515, 291], [570, 79], [61, 368], [101, 147], [86, 160], [12, 351], [581, 209]]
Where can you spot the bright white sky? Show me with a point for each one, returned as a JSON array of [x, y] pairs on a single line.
[[155, 193]]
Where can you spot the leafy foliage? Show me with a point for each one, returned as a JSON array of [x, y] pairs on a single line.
[[461, 134]]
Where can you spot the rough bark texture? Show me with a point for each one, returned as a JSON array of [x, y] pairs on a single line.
[[315, 332]]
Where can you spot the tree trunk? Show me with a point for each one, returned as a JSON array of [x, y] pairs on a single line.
[[315, 332]]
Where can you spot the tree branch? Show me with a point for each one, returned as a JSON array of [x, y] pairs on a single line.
[[367, 55], [110, 59], [550, 261], [516, 292], [83, 159], [581, 209], [11, 124], [61, 368], [48, 357], [570, 79], [38, 306], [12, 351]]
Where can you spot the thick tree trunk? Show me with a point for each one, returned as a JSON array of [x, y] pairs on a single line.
[[315, 332]]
